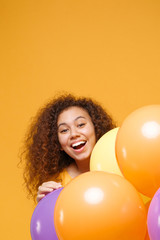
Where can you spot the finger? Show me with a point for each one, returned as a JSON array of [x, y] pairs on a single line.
[[48, 189], [43, 190], [40, 196], [51, 184]]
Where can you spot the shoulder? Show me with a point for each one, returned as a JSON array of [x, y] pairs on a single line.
[[63, 177]]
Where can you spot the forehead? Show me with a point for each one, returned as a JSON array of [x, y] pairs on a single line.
[[72, 113]]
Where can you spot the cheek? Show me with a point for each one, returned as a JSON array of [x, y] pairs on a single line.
[[93, 136], [62, 140], [90, 133]]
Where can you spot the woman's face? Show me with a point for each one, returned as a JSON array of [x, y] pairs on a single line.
[[76, 133]]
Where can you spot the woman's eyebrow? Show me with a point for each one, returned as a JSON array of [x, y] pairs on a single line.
[[61, 124], [79, 117]]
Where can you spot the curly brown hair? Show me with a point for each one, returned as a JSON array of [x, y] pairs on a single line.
[[42, 155]]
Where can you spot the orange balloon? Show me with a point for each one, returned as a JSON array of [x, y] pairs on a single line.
[[100, 205], [138, 149]]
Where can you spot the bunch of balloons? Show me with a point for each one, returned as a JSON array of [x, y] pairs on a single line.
[[135, 155], [120, 197]]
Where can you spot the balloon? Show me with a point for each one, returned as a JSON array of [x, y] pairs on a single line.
[[153, 217], [42, 225], [145, 198], [138, 149], [100, 205], [103, 156]]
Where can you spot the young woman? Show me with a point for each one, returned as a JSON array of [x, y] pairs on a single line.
[[60, 141]]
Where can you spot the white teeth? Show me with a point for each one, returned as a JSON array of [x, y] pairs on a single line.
[[78, 143]]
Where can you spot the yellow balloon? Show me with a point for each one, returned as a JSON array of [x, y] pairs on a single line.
[[145, 198], [103, 157]]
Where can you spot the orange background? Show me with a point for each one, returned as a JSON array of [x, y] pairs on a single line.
[[108, 50]]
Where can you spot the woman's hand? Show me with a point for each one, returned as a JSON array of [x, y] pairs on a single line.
[[46, 188]]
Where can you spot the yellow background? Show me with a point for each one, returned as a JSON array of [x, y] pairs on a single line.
[[108, 50]]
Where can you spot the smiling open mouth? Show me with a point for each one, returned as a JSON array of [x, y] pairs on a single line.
[[78, 145]]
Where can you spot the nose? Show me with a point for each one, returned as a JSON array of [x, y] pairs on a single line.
[[74, 133]]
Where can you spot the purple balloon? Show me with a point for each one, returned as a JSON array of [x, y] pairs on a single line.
[[42, 221], [153, 218]]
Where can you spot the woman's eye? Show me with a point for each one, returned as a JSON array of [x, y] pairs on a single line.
[[81, 124], [64, 131]]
